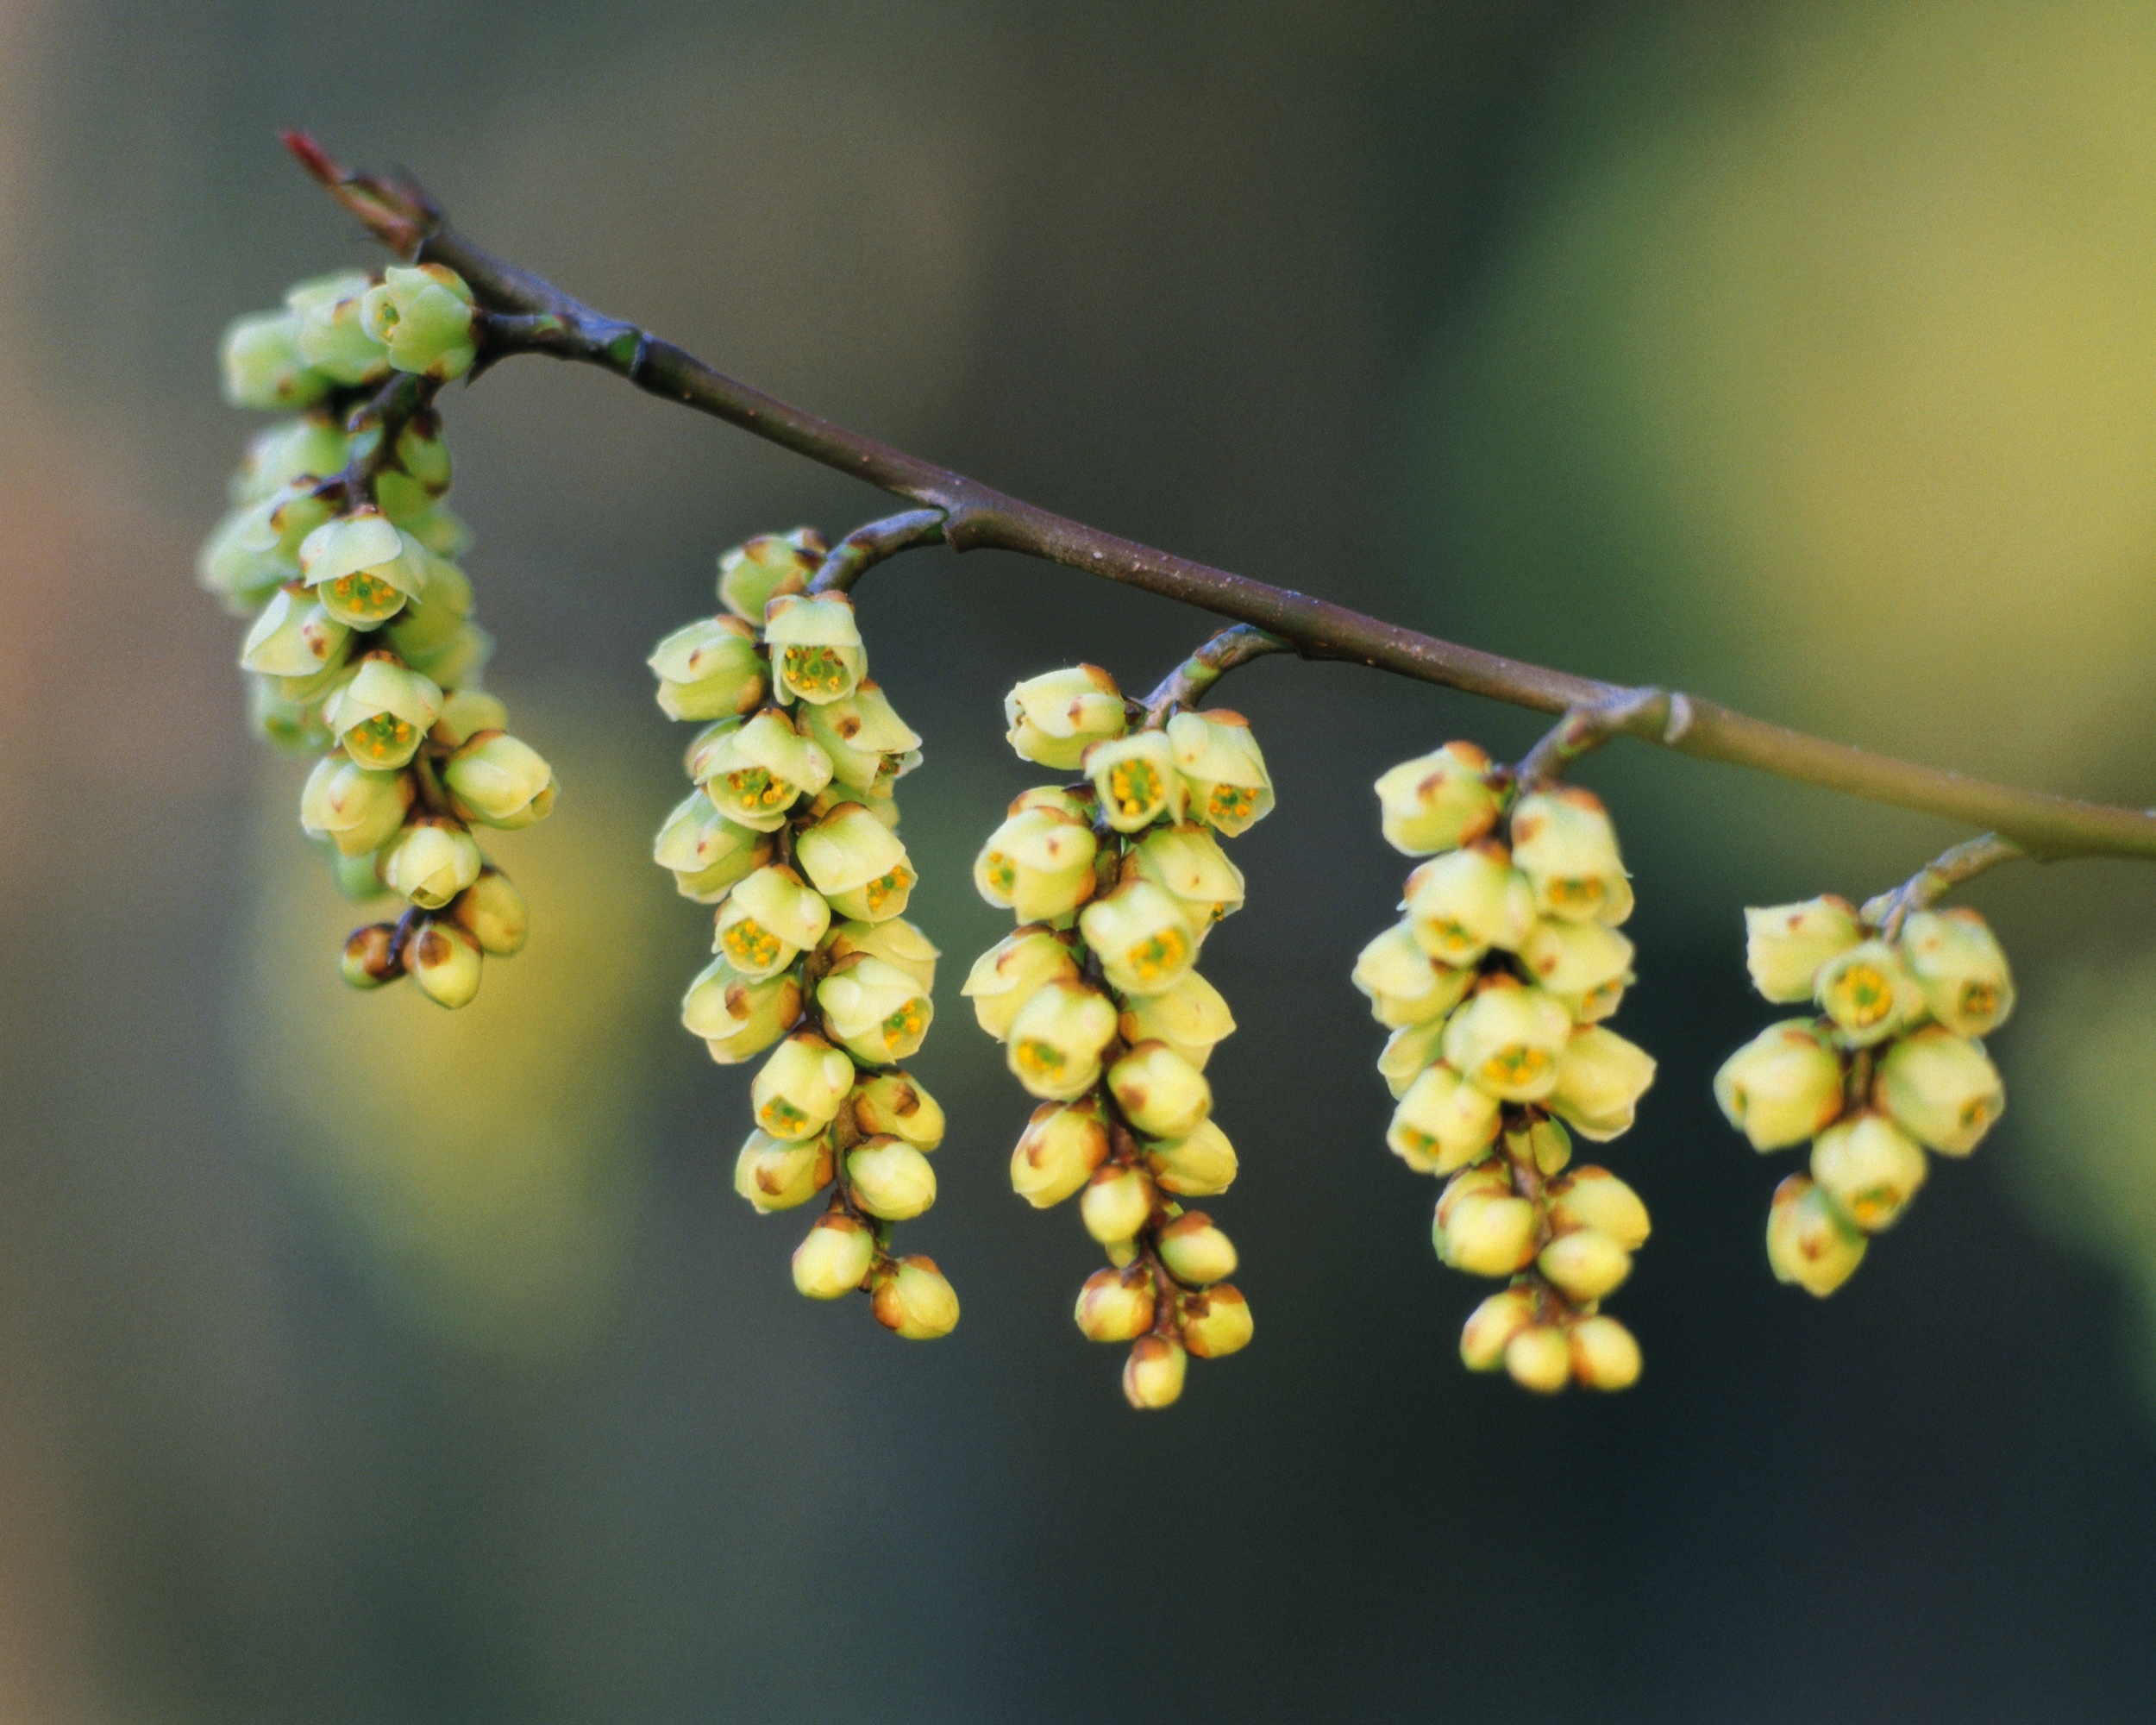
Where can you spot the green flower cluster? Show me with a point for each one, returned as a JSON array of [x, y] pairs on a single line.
[[1495, 985], [1116, 882], [792, 833], [1890, 1066], [339, 547]]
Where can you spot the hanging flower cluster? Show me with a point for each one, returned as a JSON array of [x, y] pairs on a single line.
[[1116, 881], [339, 547], [792, 833], [1890, 1066], [1495, 984]]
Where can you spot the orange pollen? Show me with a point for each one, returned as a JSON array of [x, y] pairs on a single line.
[[1576, 892], [1133, 787], [1232, 802], [902, 1025], [1000, 871], [881, 892], [818, 668], [750, 944], [383, 735], [1865, 995], [1519, 1064], [1150, 960], [1037, 1057], [780, 1116], [1979, 1000]]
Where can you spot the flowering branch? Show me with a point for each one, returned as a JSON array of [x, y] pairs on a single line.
[[1931, 883], [526, 314]]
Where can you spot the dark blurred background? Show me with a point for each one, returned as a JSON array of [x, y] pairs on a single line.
[[363, 1363]]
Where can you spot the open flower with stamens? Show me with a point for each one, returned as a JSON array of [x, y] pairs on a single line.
[[1136, 780], [755, 774], [1223, 769], [816, 650]]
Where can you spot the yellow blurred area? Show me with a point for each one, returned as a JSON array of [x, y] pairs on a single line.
[[486, 1164]]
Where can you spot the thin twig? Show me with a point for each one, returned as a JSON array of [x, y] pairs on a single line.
[[1936, 879], [865, 547], [403, 217], [1585, 729], [1186, 684]]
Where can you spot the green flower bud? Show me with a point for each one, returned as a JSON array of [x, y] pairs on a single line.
[[1038, 863], [912, 1298], [295, 639], [373, 957], [875, 1010], [1491, 1326], [1576, 958], [431, 860], [311, 446], [1785, 945], [890, 1179], [767, 921], [500, 782], [1442, 1122], [710, 669], [1407, 1050], [1190, 1018], [1228, 786], [1057, 1038], [1216, 1322], [835, 1257], [1544, 1143], [254, 550], [461, 659], [1118, 1202], [1604, 1356], [816, 650], [492, 911], [357, 877], [1404, 985], [1584, 1264], [1563, 842], [1057, 1152], [441, 529], [755, 774], [1508, 1040], [1200, 1165], [1540, 1359], [1161, 1094], [1055, 718], [383, 713], [1115, 1306], [1958, 963], [1188, 863], [857, 862], [1782, 1087], [357, 811], [864, 737], [1870, 1168], [445, 963], [262, 364], [774, 1174], [750, 576], [1868, 994], [706, 852], [891, 1105], [1136, 780], [1195, 1253], [1005, 977], [1487, 1233], [1437, 801], [1940, 1089], [465, 713], [739, 1019], [1139, 933], [1810, 1241], [431, 630], [361, 568], [331, 336], [797, 1093], [1153, 1375], [418, 470], [1591, 1197], [1601, 1079], [896, 942], [423, 317], [1465, 902]]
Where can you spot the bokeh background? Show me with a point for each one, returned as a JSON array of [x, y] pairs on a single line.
[[362, 1362]]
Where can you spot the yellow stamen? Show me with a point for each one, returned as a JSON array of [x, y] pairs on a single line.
[[1038, 1057], [1519, 1064]]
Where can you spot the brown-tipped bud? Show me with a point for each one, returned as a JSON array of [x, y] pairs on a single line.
[[1604, 1354], [1116, 1305], [1153, 1376], [834, 1257], [493, 913], [1591, 1197], [914, 1300], [371, 956], [1216, 1322], [1584, 1264], [1057, 1152], [1491, 1326], [1810, 1241], [1118, 1202], [774, 1174], [1196, 1252], [1540, 1359], [1487, 1233], [445, 961]]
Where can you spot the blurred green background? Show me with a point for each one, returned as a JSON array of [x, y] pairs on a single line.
[[362, 1362]]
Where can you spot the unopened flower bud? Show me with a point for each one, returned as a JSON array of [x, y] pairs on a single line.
[[710, 669], [797, 1091], [1491, 1326], [1563, 842], [1508, 1041], [263, 367], [1196, 1252], [295, 640], [1490, 1177], [1057, 716], [1601, 1079], [383, 713], [1217, 1322], [1576, 958], [1591, 1197], [255, 549], [1940, 1089], [767, 919], [1404, 984], [1187, 863], [1190, 1018], [357, 877], [1584, 1264], [867, 741], [1057, 1038], [430, 861], [1810, 1241], [774, 1174], [1118, 1202], [755, 774], [1144, 944], [372, 957], [1202, 1165], [1038, 863], [1407, 1051], [890, 1179], [1437, 801], [1786, 945], [1136, 780], [500, 782], [445, 963], [1465, 902], [492, 912], [1604, 1354], [1540, 1359], [912, 1298], [1005, 976], [896, 942], [1487, 1233], [1057, 1153], [1539, 1142], [357, 811], [465, 713], [857, 862], [1868, 994], [1443, 1123], [423, 317], [330, 335], [1224, 771], [1115, 1306], [834, 1257], [873, 1010], [1870, 1168], [739, 1019], [1782, 1087], [1153, 1376], [1161, 1094], [892, 1105], [1958, 963], [311, 446], [707, 853], [817, 653], [750, 576]]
